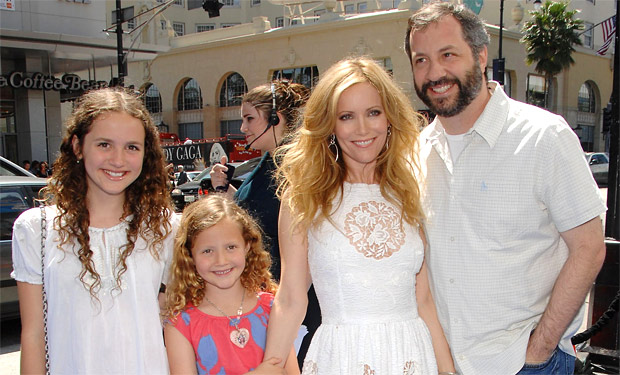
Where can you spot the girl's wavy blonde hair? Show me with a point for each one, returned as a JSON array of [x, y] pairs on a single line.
[[147, 200], [185, 284], [310, 177]]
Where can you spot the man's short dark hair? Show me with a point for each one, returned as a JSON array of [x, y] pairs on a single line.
[[473, 28]]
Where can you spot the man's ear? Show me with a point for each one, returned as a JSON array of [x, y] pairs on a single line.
[[77, 148], [483, 58]]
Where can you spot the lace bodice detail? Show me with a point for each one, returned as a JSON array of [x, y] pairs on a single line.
[[363, 265]]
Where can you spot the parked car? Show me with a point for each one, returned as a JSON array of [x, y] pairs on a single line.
[[17, 194], [190, 191], [191, 175], [599, 165], [8, 168]]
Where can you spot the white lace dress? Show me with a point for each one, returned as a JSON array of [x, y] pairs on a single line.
[[364, 276]]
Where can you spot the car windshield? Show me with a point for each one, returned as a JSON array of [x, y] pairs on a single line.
[[202, 174], [8, 168], [246, 167]]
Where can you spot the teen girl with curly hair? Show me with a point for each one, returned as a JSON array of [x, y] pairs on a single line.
[[107, 229]]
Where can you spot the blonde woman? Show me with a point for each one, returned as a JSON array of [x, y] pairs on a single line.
[[350, 222]]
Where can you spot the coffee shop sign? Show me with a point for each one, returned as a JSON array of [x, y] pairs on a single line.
[[38, 81]]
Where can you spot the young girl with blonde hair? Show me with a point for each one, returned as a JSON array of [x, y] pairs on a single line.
[[221, 293]]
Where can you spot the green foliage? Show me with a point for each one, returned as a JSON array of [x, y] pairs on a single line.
[[549, 37]]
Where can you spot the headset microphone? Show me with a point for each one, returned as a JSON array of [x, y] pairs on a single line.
[[273, 117], [247, 147]]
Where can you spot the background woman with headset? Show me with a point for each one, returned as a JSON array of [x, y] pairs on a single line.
[[271, 115]]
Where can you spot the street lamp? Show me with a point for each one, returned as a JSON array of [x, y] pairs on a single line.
[[537, 3], [498, 64]]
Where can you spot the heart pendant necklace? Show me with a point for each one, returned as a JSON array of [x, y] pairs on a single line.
[[240, 336]]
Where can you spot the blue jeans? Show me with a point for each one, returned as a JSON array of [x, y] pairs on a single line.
[[559, 363]]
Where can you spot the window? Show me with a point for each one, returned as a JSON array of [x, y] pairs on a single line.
[[586, 101], [14, 202], [200, 27], [131, 24], [279, 21], [232, 90], [163, 128], [191, 130], [587, 35], [255, 2], [349, 9], [361, 7], [179, 28], [386, 63], [229, 3], [599, 159], [178, 2], [190, 96], [164, 24], [230, 127], [586, 136], [306, 75], [225, 25], [8, 128], [536, 87], [152, 99]]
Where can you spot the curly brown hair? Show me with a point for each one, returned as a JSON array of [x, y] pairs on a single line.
[[185, 284], [147, 200]]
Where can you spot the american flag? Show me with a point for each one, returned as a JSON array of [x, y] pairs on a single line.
[[609, 30]]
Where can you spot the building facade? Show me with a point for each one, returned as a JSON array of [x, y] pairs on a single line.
[[51, 50], [192, 82], [196, 84]]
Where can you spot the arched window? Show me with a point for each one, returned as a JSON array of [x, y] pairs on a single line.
[[586, 100], [232, 90], [190, 96], [152, 99], [306, 75]]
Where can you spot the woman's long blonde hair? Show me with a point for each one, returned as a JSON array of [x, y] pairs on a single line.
[[310, 177], [186, 285], [147, 200]]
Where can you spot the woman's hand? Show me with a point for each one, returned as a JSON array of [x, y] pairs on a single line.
[[218, 173]]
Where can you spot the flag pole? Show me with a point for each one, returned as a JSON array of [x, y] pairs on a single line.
[[593, 26]]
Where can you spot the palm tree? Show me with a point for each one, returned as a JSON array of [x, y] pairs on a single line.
[[549, 37]]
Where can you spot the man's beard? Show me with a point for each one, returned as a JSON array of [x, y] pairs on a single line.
[[468, 91]]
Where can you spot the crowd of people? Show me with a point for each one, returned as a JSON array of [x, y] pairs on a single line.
[[37, 168], [366, 241]]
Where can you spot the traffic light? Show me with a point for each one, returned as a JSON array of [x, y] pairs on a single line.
[[607, 120], [498, 70], [212, 7]]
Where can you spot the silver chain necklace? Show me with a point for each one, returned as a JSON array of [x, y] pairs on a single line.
[[240, 336], [44, 293]]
